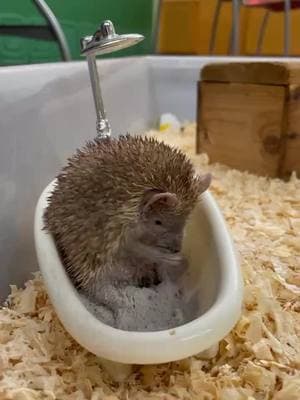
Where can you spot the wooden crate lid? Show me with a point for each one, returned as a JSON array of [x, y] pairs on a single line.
[[268, 73]]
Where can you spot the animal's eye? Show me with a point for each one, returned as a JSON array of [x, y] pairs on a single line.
[[157, 222]]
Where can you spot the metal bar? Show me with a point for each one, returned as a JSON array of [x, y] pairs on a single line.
[[230, 42], [287, 18], [262, 31], [156, 15], [53, 22], [235, 27], [214, 27]]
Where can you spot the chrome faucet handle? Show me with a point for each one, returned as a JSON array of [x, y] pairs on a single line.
[[105, 40]]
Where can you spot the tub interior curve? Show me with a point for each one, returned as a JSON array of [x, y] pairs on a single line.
[[201, 249]]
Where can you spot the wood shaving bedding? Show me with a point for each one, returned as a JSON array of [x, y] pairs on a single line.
[[259, 359]]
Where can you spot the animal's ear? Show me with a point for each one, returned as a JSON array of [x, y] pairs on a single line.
[[155, 201], [203, 182]]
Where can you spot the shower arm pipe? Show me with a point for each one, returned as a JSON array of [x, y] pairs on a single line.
[[54, 24], [105, 40], [102, 125]]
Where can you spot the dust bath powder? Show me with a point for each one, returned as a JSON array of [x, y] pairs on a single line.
[[159, 307]]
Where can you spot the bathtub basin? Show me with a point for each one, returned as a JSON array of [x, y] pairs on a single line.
[[214, 275]]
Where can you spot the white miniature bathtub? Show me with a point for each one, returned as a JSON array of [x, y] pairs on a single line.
[[215, 274]]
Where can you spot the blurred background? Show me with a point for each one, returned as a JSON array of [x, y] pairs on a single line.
[[38, 31]]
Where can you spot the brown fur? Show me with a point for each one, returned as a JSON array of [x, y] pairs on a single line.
[[99, 194]]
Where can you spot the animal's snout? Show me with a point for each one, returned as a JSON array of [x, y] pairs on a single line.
[[175, 249], [176, 245]]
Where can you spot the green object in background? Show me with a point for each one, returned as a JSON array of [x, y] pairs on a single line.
[[77, 18]]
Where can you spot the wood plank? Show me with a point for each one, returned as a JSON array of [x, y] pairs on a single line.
[[294, 72], [266, 73], [241, 125]]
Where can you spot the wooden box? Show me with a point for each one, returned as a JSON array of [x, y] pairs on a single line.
[[249, 116]]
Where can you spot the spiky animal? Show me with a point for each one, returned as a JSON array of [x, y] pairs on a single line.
[[119, 209]]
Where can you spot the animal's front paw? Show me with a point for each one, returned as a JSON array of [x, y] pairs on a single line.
[[151, 278], [173, 270]]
